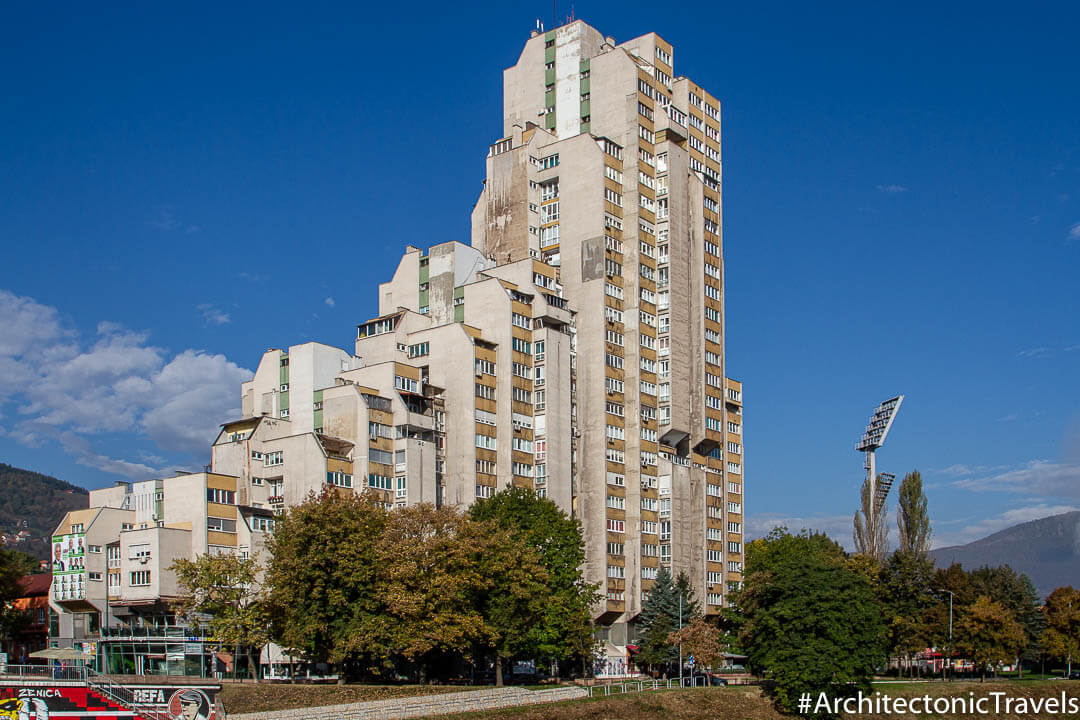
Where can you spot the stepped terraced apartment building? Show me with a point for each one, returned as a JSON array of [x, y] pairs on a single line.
[[576, 347]]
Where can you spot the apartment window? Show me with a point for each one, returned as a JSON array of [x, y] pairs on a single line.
[[549, 162], [549, 213], [549, 190], [713, 534], [612, 268], [221, 497], [648, 527], [612, 149], [139, 578], [734, 527], [616, 526], [734, 468], [613, 291], [484, 491], [539, 398], [615, 338], [734, 507], [486, 392], [648, 504], [338, 478], [616, 548], [613, 315], [221, 524], [485, 467], [522, 469], [616, 571], [419, 350], [614, 432], [616, 479], [613, 385], [646, 134], [613, 197], [616, 502], [615, 456], [649, 550], [734, 547], [648, 318], [714, 490], [612, 174], [715, 556], [485, 441], [549, 236], [614, 408], [521, 395], [612, 221], [521, 346], [613, 360]]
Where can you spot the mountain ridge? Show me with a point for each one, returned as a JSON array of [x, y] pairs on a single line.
[[34, 503], [1047, 550]]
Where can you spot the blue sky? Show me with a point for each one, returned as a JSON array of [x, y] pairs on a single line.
[[183, 187]]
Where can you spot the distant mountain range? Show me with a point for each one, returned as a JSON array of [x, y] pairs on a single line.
[[1046, 550], [31, 506]]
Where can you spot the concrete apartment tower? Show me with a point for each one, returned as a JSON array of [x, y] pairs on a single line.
[[609, 169]]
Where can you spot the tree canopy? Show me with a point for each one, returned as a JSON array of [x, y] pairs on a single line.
[[810, 618]]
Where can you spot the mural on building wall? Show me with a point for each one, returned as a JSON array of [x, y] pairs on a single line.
[[80, 703], [69, 566]]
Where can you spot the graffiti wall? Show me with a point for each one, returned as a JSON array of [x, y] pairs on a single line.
[[189, 702]]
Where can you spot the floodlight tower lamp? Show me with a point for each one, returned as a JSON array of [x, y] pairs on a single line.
[[874, 437]]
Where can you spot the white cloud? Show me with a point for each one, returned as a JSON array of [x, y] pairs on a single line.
[[1074, 233], [1038, 478], [892, 189], [838, 527], [212, 315], [991, 525], [330, 302], [68, 390], [1036, 352]]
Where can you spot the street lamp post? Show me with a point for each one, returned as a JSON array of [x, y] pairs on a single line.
[[951, 594], [680, 642]]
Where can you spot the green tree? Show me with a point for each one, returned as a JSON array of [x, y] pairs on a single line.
[[14, 565], [565, 627], [671, 604], [989, 634], [321, 578], [912, 518], [223, 594], [1017, 593], [811, 622], [905, 592], [430, 573], [1062, 638], [871, 532]]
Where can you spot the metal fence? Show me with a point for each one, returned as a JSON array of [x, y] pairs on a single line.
[[75, 673], [123, 696]]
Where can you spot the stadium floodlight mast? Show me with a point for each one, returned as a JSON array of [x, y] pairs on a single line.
[[874, 438]]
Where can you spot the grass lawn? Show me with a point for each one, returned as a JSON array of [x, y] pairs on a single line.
[[251, 697]]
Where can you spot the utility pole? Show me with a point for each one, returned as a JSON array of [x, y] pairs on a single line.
[[680, 642]]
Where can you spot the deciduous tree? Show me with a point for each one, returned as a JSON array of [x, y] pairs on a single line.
[[871, 532], [321, 578], [701, 639], [912, 518], [989, 634], [223, 594], [564, 628], [1062, 638], [811, 622]]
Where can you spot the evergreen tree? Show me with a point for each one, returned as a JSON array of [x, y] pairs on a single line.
[[912, 518], [671, 605]]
